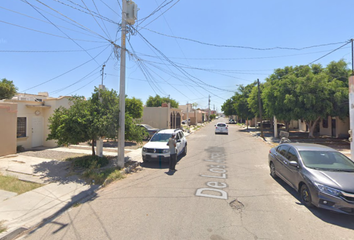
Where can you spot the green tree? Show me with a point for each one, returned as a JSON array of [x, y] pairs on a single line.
[[89, 120], [228, 107], [307, 93], [157, 101], [241, 101], [7, 89], [134, 107]]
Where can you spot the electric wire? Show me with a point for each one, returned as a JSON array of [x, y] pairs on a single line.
[[90, 12], [49, 51], [50, 23], [230, 59], [64, 17], [330, 52], [161, 14], [93, 79], [83, 40], [243, 47], [42, 83], [93, 1], [86, 8]]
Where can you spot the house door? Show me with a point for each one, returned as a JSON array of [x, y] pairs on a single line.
[[37, 131], [334, 128]]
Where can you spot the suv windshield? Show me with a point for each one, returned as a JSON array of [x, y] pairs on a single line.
[[161, 137], [325, 160]]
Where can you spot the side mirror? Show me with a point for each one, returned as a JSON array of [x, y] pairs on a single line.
[[293, 163], [179, 140]]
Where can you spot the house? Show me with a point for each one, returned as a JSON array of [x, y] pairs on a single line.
[[330, 126], [26, 117], [162, 117]]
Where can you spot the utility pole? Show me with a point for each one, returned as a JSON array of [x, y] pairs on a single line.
[[99, 142], [209, 109], [351, 105], [260, 109], [121, 131], [187, 116], [129, 14]]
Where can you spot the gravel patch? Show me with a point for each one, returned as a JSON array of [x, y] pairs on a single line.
[[49, 154]]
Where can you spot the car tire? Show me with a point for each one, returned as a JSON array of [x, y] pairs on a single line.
[[185, 150], [305, 196], [272, 170]]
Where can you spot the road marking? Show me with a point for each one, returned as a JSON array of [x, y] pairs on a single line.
[[215, 189]]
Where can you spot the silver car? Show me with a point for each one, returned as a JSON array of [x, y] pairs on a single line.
[[323, 176], [221, 127]]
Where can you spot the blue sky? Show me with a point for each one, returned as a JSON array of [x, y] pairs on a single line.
[[188, 50]]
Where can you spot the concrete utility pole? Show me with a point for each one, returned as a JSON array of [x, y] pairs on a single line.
[[121, 131], [351, 106], [260, 109], [209, 109], [187, 116], [99, 142]]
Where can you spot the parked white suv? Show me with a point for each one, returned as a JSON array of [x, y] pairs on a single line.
[[157, 149]]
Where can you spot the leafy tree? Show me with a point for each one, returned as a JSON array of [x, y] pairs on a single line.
[[241, 101], [157, 101], [134, 107], [7, 89], [89, 120], [308, 93], [229, 107]]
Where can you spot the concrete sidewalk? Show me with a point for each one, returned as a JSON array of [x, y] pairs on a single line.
[[19, 213]]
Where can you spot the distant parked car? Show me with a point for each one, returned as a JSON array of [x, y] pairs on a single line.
[[150, 130], [231, 121], [221, 127], [322, 176], [268, 124]]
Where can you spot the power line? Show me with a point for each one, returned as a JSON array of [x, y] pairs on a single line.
[[229, 59], [162, 13], [49, 51], [65, 72], [48, 22], [84, 40], [243, 47], [330, 52]]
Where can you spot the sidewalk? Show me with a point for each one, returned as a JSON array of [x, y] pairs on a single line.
[[19, 213], [341, 145]]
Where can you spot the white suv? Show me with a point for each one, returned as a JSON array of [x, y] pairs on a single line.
[[157, 149]]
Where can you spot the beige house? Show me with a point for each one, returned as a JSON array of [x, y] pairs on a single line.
[[162, 117], [331, 126], [8, 119], [30, 121]]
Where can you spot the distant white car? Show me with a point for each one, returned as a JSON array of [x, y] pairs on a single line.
[[221, 127]]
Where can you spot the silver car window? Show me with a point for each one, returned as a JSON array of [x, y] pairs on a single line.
[[292, 155], [283, 149]]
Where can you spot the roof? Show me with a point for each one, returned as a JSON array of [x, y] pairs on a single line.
[[309, 147]]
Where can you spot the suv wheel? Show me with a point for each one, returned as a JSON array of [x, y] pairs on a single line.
[[185, 150]]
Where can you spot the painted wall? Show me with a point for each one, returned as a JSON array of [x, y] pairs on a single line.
[[8, 128], [157, 117], [37, 115]]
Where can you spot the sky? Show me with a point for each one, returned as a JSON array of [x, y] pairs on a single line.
[[186, 50]]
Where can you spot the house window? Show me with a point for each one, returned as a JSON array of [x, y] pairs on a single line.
[[21, 127], [325, 123]]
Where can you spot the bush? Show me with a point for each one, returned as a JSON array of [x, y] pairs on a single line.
[[88, 161]]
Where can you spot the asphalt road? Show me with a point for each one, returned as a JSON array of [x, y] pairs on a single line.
[[222, 190]]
